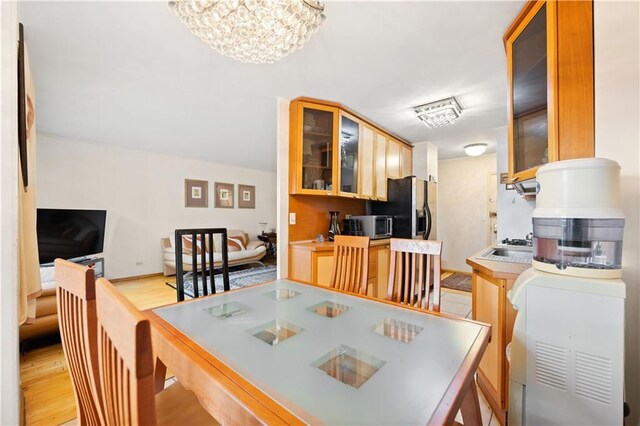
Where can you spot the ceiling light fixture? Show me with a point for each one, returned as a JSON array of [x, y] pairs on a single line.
[[253, 31], [439, 113], [475, 149]]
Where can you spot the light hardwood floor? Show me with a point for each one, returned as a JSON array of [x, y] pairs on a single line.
[[45, 381]]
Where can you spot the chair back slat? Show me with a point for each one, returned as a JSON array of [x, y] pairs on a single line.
[[125, 359], [350, 263], [410, 277], [76, 302], [202, 263]]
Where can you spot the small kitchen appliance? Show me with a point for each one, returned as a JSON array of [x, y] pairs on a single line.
[[567, 349], [375, 226]]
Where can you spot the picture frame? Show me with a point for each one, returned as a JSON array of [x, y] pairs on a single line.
[[223, 195], [246, 197], [22, 109], [196, 193]]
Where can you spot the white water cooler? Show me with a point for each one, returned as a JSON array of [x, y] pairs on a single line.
[[567, 350]]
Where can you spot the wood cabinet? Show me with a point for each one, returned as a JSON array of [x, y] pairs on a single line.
[[367, 164], [549, 51], [406, 161], [380, 165], [312, 263], [490, 305], [491, 281], [334, 151]]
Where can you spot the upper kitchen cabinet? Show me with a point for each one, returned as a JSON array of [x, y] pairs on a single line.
[[393, 159], [367, 163], [380, 167], [348, 153], [334, 151], [550, 70], [406, 161], [312, 158]]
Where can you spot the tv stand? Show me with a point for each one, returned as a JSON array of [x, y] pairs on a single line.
[[95, 263]]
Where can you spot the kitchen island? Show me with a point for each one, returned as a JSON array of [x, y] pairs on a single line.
[[312, 262], [491, 281]]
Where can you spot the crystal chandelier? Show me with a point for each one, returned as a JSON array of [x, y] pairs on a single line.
[[439, 113], [254, 31]]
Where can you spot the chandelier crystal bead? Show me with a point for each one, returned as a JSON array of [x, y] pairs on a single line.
[[252, 31]]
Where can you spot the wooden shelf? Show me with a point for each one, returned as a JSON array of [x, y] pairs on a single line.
[[316, 134], [314, 166]]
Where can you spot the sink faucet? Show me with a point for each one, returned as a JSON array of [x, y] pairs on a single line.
[[529, 239]]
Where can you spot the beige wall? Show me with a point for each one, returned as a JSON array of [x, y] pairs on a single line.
[[9, 362], [143, 193], [617, 89], [463, 196]]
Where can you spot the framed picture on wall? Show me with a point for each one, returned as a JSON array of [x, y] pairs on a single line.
[[224, 195], [246, 197], [196, 193]]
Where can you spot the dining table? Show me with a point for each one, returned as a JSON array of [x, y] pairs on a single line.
[[285, 352]]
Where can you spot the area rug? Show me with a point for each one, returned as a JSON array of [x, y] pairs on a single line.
[[237, 279], [457, 282]]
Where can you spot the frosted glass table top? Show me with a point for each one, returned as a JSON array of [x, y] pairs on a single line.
[[328, 356]]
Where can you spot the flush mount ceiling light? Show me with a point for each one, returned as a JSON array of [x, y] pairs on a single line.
[[253, 31], [439, 113], [475, 149]]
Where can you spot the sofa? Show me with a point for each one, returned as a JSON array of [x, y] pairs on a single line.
[[242, 251], [46, 319]]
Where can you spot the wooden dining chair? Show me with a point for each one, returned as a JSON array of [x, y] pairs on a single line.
[[126, 368], [200, 244], [415, 264], [76, 300], [350, 263]]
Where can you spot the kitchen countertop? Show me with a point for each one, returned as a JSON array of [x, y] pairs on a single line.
[[311, 245], [496, 269]]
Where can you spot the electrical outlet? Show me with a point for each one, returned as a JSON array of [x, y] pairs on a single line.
[[292, 218]]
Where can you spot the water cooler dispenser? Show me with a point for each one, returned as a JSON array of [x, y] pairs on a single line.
[[567, 350]]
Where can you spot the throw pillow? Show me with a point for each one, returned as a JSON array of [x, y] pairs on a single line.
[[187, 245], [234, 244]]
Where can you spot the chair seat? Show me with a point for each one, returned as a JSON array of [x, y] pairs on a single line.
[[177, 406]]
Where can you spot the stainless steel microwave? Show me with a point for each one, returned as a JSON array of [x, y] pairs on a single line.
[[376, 226]]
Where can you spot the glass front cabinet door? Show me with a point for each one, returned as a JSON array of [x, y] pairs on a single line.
[[551, 79], [315, 165], [348, 153], [531, 71]]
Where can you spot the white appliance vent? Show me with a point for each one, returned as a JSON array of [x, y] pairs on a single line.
[[593, 377], [551, 365]]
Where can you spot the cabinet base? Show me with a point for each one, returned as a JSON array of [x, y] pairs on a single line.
[[490, 394]]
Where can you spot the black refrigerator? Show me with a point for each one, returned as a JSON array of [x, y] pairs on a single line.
[[413, 204]]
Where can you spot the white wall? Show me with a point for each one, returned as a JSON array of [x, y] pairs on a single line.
[[463, 203], [283, 186], [9, 366], [425, 160], [514, 212], [617, 89], [143, 193]]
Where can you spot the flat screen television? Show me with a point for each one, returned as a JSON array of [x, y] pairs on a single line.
[[67, 234]]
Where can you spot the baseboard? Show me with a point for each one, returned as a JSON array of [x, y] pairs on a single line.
[[136, 277], [456, 272]]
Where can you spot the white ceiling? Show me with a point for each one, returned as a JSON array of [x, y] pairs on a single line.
[[130, 73]]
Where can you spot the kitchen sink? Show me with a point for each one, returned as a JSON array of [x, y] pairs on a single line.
[[502, 254]]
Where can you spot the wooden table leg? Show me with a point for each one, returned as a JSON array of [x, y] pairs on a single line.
[[470, 407], [159, 375]]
